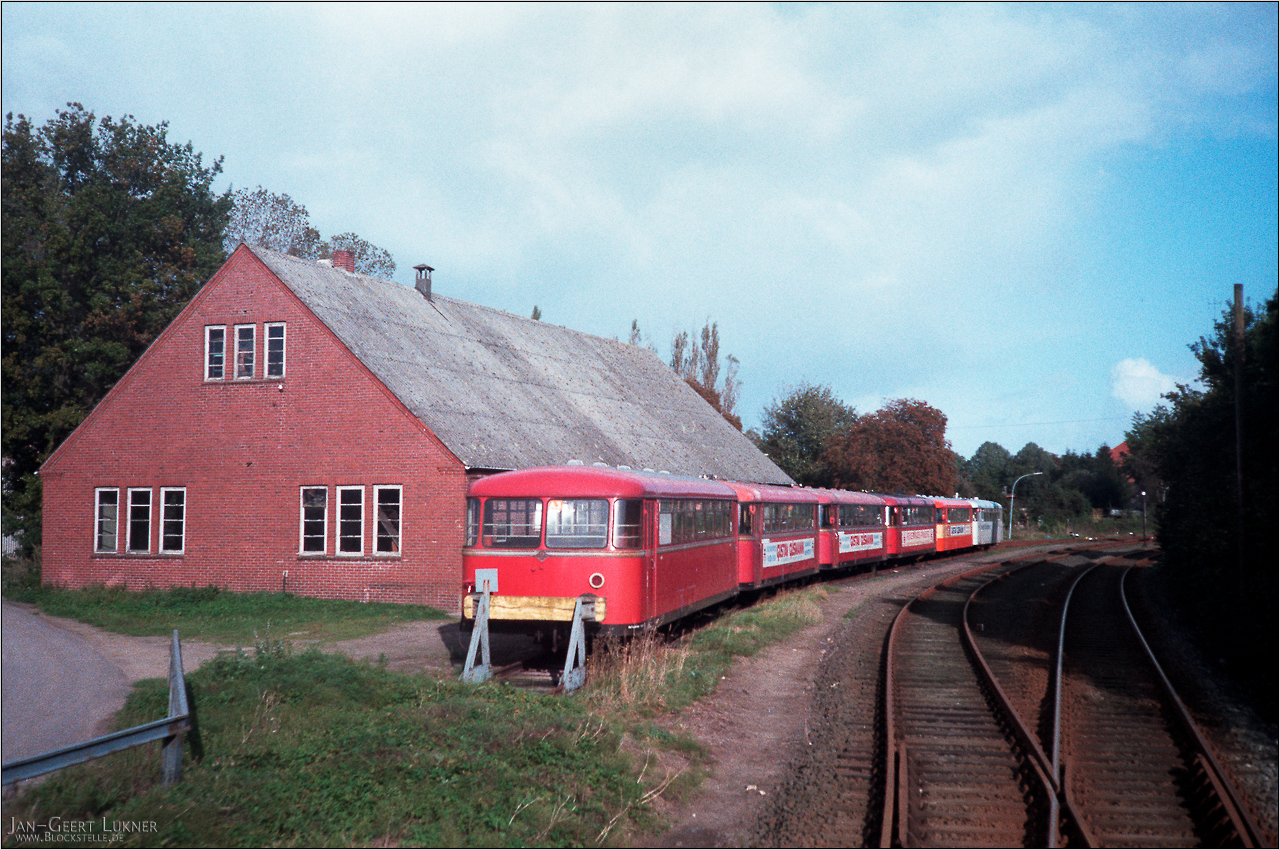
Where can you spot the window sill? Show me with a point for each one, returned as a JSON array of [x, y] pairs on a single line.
[[240, 382], [154, 556], [323, 556]]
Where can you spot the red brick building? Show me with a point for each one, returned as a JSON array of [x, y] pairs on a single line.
[[300, 427]]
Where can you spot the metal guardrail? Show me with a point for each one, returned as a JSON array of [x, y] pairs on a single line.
[[170, 729]]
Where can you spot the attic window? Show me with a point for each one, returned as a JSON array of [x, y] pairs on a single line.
[[275, 349], [215, 352], [246, 343]]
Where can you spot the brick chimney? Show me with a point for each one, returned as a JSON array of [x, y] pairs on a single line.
[[423, 281], [345, 260]]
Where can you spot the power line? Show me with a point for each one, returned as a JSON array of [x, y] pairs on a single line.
[[1024, 424]]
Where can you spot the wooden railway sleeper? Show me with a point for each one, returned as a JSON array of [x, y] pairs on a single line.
[[1250, 834]]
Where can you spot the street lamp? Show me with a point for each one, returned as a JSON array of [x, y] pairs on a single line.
[[1011, 491], [1144, 516]]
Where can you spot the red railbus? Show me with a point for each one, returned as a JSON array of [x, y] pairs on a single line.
[[648, 547], [953, 519], [777, 533], [851, 529], [910, 526]]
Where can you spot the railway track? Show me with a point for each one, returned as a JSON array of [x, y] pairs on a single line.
[[1021, 708], [1135, 768], [955, 772]]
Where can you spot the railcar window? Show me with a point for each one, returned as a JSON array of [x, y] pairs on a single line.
[[473, 522], [627, 524], [693, 520], [512, 523], [856, 515], [788, 517], [958, 515], [912, 514], [577, 523]]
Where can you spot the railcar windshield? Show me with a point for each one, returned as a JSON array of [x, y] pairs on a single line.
[[512, 523], [577, 523]]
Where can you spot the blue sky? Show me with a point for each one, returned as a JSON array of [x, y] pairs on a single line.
[[1020, 214]]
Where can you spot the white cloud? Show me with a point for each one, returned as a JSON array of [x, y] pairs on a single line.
[[1139, 384]]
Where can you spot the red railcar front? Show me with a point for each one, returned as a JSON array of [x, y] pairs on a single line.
[[646, 548]]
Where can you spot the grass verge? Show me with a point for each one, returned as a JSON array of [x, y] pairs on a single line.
[[313, 749], [213, 614]]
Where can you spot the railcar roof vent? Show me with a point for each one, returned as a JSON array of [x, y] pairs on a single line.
[[423, 281]]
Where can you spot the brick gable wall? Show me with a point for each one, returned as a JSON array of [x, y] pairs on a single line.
[[242, 449]]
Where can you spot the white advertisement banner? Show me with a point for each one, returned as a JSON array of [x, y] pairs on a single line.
[[860, 542], [917, 536], [958, 530], [786, 551]]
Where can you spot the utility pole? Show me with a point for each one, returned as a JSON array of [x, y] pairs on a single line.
[[1237, 336]]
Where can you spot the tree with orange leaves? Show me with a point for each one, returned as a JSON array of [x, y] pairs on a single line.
[[901, 448]]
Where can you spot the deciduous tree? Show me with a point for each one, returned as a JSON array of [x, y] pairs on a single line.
[[278, 222], [901, 448], [698, 362], [108, 230], [797, 428]]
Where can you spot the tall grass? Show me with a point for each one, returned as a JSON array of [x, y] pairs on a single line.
[[313, 749], [318, 750], [650, 673], [214, 614]]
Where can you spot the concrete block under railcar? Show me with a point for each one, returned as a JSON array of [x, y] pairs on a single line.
[[649, 547], [777, 534], [851, 529]]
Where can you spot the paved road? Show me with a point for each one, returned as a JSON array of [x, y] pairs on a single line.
[[57, 688]]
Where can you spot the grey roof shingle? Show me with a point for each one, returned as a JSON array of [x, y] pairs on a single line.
[[505, 392]]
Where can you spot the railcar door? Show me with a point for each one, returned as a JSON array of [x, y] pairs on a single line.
[[650, 569]]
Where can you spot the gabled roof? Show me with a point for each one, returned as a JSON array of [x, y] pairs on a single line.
[[505, 392]]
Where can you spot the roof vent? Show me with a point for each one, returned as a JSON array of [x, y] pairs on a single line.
[[423, 282], [345, 260]]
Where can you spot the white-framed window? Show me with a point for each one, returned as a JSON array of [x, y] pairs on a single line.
[[139, 527], [386, 531], [215, 352], [107, 519], [350, 520], [246, 347], [313, 520], [173, 520], [275, 337]]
